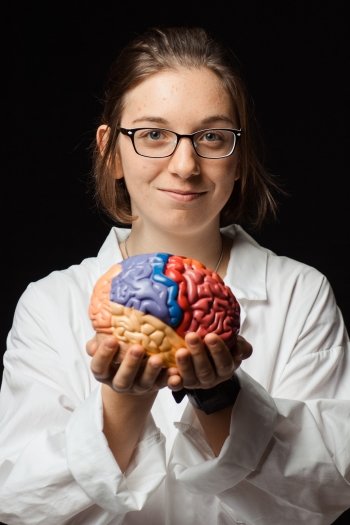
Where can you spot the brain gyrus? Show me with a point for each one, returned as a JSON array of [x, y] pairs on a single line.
[[155, 299]]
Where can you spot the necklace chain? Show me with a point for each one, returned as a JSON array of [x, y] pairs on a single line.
[[217, 264], [220, 257]]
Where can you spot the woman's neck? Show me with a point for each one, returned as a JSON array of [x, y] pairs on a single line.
[[207, 247]]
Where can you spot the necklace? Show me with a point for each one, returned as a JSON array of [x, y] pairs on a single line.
[[220, 257], [217, 264]]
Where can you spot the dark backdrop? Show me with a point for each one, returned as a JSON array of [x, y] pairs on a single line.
[[294, 56]]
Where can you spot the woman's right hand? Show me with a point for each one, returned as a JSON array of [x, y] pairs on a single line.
[[130, 385], [134, 373]]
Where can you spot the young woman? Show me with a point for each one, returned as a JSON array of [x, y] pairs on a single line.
[[265, 436]]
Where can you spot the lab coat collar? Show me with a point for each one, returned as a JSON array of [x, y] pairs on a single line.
[[110, 253], [247, 267]]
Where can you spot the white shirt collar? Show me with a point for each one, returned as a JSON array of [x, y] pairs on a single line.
[[246, 271], [247, 267], [109, 252]]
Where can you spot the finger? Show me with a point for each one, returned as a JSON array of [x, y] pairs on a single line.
[[128, 369], [185, 368], [173, 378], [175, 382], [151, 375], [243, 348], [202, 363], [161, 380], [221, 355], [91, 346], [103, 357]]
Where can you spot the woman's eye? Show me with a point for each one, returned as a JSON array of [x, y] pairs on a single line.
[[154, 134], [210, 136]]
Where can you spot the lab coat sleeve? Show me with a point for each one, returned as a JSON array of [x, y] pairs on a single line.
[[54, 459], [287, 458]]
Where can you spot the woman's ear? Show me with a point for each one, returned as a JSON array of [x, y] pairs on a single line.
[[102, 135]]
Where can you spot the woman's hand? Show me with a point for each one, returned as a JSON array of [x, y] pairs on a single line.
[[205, 364], [130, 385], [201, 364], [134, 374]]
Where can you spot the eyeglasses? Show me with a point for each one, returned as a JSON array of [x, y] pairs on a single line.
[[159, 143]]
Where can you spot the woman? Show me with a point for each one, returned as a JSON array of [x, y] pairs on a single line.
[[264, 438]]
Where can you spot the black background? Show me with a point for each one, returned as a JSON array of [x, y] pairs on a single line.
[[295, 58]]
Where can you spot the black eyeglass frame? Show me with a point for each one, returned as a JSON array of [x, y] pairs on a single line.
[[131, 134]]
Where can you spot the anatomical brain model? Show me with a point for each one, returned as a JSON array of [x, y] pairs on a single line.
[[154, 299]]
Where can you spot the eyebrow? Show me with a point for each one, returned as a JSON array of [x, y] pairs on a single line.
[[207, 121]]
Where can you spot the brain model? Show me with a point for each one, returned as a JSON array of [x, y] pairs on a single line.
[[154, 299]]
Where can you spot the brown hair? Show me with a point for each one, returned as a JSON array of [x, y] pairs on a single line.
[[160, 49]]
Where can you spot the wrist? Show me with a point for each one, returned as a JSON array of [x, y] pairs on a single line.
[[126, 400], [213, 399]]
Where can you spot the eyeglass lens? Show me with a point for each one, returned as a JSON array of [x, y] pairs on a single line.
[[210, 143]]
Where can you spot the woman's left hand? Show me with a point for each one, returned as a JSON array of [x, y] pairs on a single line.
[[205, 364]]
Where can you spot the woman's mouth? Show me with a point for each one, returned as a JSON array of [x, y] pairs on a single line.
[[183, 196]]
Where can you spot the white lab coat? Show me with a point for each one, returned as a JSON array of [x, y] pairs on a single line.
[[286, 461]]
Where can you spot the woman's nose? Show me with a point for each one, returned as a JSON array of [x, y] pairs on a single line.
[[184, 162]]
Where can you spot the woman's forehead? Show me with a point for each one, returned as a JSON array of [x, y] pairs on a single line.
[[176, 92]]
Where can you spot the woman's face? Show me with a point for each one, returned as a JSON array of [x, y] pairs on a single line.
[[184, 190]]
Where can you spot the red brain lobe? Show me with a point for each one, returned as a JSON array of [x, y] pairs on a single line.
[[208, 304]]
